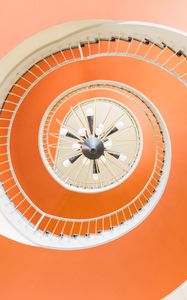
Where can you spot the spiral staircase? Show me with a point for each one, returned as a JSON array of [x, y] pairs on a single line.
[[85, 152]]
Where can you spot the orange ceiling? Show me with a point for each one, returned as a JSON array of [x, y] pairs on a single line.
[[148, 262]]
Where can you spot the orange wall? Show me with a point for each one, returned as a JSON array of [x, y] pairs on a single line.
[[20, 19]]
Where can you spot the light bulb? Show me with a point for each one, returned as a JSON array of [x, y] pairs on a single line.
[[119, 125], [66, 163], [89, 112], [76, 146], [95, 177], [98, 131], [63, 131], [122, 157], [82, 131], [108, 144]]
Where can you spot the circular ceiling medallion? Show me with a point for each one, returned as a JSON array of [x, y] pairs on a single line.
[[97, 144]]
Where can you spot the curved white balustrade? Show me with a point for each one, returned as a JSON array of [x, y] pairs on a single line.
[[69, 36]]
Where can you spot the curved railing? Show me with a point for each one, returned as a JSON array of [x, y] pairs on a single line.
[[15, 198]]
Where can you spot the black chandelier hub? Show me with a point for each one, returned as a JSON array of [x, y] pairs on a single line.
[[93, 148]]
